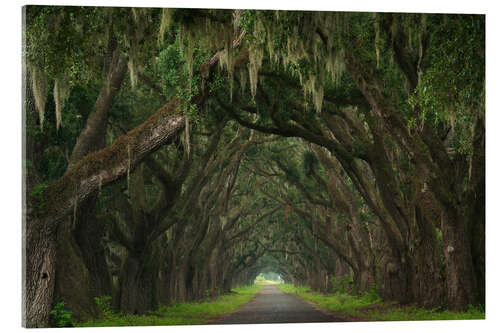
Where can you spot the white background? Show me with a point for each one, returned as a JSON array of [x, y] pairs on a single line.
[[10, 157]]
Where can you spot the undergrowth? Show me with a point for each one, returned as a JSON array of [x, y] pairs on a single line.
[[342, 302], [60, 316], [415, 313], [181, 313], [366, 306]]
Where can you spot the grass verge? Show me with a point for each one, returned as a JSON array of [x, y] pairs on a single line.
[[370, 307], [186, 313], [411, 312], [336, 302]]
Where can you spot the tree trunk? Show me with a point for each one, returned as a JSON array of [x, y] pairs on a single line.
[[83, 273], [39, 238], [172, 276], [227, 283], [396, 280], [92, 137], [138, 284], [460, 279], [39, 273], [203, 285], [85, 177], [89, 234], [213, 272], [73, 284], [432, 160], [428, 283], [181, 284], [475, 197], [341, 267], [364, 278]]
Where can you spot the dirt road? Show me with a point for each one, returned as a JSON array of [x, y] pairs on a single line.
[[272, 305]]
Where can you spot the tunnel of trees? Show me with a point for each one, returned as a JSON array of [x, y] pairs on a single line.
[[171, 154]]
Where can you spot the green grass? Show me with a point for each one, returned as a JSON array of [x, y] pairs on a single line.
[[187, 313], [370, 307], [336, 302], [416, 313]]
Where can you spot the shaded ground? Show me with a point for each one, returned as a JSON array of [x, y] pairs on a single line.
[[272, 305]]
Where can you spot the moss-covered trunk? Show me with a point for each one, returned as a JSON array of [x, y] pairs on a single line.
[[460, 279], [138, 283], [82, 269], [426, 251], [476, 209], [89, 234], [73, 284], [39, 235], [434, 164], [39, 268]]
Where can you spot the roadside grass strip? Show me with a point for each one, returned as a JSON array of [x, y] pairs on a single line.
[[335, 302], [369, 307], [415, 313], [185, 313]]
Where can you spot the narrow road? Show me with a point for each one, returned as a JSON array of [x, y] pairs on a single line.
[[272, 305]]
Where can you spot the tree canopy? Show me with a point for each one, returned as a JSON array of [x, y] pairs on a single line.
[[174, 153]]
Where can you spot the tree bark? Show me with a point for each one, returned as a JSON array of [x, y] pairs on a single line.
[[460, 278], [62, 196], [428, 282], [87, 230], [138, 284], [73, 284], [434, 164], [92, 137], [40, 256]]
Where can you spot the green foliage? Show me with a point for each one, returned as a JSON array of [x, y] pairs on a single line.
[[273, 276], [170, 69], [247, 22], [296, 59], [260, 278], [38, 198], [267, 278], [415, 313], [54, 145], [104, 305], [188, 108], [358, 305], [187, 313], [58, 37], [310, 163], [337, 302], [60, 316], [452, 89], [176, 79], [373, 294], [343, 283]]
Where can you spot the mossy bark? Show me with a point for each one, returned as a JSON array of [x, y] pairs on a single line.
[[84, 232], [461, 285], [39, 240], [476, 208], [39, 273], [426, 251], [87, 176], [138, 284], [432, 160], [93, 135], [73, 284], [89, 234]]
